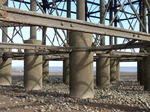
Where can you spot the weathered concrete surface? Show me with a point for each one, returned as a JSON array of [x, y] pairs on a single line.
[[112, 71], [45, 70], [103, 71], [81, 67], [66, 71], [146, 71], [3, 2], [140, 72], [117, 70], [5, 69], [32, 68], [81, 62]]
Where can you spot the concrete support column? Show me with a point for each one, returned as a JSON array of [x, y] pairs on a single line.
[[5, 69], [32, 68], [103, 71], [5, 66], [81, 62], [112, 71], [141, 70], [117, 70], [146, 66], [45, 70], [146, 63], [66, 70], [138, 71], [81, 67]]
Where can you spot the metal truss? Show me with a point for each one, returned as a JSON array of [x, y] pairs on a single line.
[[124, 22]]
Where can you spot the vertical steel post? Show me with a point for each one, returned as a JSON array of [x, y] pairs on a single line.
[[81, 62], [33, 7], [110, 19], [5, 66], [81, 10], [115, 21], [68, 8], [102, 18], [5, 29]]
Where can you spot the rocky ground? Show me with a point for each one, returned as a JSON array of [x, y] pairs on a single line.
[[125, 96]]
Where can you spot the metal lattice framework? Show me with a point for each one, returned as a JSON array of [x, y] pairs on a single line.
[[115, 25]]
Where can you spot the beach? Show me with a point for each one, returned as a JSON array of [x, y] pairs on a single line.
[[124, 96]]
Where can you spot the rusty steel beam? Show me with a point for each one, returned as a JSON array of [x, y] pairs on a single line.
[[113, 54], [123, 59], [6, 24], [31, 47], [7, 55], [130, 59], [69, 49], [136, 54], [36, 19]]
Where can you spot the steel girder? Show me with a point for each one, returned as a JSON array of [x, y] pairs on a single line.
[[30, 18]]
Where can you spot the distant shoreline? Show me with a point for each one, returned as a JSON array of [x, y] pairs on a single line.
[[60, 69], [61, 73]]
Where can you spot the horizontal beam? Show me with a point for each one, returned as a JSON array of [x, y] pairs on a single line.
[[125, 54], [59, 58], [7, 55], [114, 54], [30, 18], [31, 47], [130, 59], [122, 59], [70, 49], [6, 24]]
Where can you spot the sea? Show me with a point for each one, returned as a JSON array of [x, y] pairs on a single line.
[[60, 69]]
